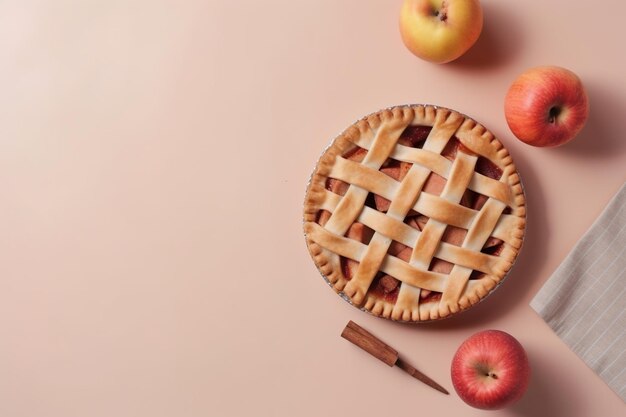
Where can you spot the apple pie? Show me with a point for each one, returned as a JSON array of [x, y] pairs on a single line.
[[414, 213]]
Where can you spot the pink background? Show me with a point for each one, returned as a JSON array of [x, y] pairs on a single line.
[[153, 162]]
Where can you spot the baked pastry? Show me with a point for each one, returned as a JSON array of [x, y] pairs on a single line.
[[414, 213]]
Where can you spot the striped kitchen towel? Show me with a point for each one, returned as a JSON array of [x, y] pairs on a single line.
[[584, 300]]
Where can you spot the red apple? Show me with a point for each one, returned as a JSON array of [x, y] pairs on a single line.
[[490, 370], [546, 106], [440, 30]]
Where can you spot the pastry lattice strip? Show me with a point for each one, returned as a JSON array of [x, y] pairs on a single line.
[[448, 212], [441, 166], [407, 235]]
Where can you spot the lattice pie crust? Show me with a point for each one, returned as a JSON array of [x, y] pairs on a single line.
[[414, 213]]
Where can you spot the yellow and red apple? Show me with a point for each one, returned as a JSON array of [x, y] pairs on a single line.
[[546, 106], [440, 31]]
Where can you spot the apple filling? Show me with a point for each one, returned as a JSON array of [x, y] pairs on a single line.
[[383, 285]]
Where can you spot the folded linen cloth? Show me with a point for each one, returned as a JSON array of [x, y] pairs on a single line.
[[584, 300]]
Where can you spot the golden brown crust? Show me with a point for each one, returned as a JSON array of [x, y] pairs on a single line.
[[378, 133]]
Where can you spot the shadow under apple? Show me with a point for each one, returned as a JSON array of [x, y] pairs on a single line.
[[543, 397], [601, 135], [500, 40]]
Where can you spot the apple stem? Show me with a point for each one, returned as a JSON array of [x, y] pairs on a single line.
[[441, 15], [553, 114], [494, 376]]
